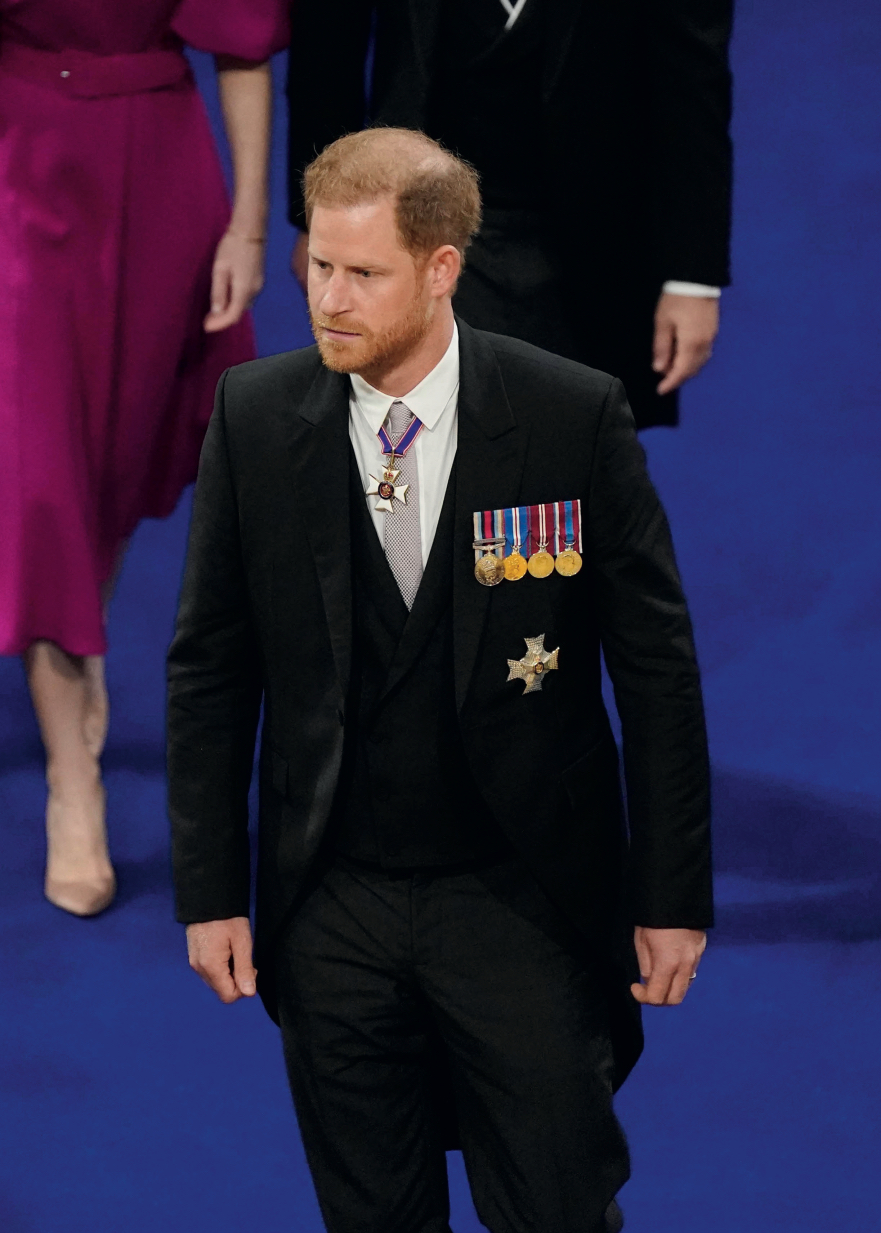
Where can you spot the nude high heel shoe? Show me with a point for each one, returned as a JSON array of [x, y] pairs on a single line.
[[79, 875]]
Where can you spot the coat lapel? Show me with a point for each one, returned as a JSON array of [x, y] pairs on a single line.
[[321, 478], [490, 457]]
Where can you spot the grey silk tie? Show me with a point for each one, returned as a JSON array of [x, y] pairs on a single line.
[[402, 537]]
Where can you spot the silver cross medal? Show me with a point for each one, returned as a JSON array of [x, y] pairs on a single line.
[[534, 664], [386, 489]]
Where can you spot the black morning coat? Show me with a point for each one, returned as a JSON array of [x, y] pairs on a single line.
[[635, 111], [266, 614]]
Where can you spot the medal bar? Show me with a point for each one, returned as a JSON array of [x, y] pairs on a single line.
[[534, 539]]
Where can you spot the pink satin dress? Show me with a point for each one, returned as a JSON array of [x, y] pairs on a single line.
[[112, 202]]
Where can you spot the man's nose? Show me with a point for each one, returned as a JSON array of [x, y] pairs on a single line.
[[333, 298]]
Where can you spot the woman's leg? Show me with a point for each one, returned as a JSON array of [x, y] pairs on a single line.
[[70, 703], [97, 713]]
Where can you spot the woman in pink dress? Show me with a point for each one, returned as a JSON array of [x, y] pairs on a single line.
[[124, 285]]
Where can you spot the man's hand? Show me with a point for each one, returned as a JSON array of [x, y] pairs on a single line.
[[220, 951], [685, 327], [300, 260], [668, 958]]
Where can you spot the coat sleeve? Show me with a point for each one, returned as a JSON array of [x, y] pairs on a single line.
[[690, 91], [214, 694], [322, 108], [649, 651]]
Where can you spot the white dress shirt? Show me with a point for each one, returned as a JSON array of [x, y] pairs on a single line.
[[435, 401], [699, 290]]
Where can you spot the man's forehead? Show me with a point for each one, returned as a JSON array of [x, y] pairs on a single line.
[[347, 231]]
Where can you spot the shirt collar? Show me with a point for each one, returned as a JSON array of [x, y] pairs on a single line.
[[428, 400]]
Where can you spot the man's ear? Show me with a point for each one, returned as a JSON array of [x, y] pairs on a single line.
[[444, 267]]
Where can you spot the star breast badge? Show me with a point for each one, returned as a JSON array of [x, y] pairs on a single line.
[[534, 664], [386, 489]]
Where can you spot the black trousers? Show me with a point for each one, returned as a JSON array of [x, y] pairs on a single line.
[[516, 281], [400, 990]]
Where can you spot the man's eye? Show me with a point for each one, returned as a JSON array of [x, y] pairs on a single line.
[[366, 273]]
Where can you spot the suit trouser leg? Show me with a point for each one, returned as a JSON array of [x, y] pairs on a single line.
[[369, 971], [358, 1059], [524, 1022]]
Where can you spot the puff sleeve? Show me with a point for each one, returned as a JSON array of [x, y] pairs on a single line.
[[248, 29]]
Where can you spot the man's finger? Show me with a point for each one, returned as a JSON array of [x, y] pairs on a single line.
[[685, 365], [662, 350], [657, 988], [679, 985], [217, 976], [690, 359], [643, 955], [244, 974]]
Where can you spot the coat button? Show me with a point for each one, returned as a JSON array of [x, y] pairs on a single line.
[[65, 73]]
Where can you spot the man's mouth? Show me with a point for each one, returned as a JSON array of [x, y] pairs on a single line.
[[341, 334]]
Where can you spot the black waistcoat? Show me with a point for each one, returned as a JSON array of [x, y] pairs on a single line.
[[407, 797], [485, 102]]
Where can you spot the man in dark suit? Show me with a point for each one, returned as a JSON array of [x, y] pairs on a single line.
[[449, 904], [600, 132]]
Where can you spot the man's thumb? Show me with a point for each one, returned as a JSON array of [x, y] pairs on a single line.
[[244, 973]]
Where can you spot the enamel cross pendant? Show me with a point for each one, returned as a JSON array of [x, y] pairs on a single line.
[[534, 664], [386, 489]]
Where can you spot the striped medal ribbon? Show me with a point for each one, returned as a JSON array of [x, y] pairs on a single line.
[[489, 545], [386, 487], [515, 561], [569, 558]]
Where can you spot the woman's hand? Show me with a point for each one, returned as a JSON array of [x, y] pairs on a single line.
[[236, 280]]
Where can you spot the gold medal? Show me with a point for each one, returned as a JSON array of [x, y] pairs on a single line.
[[489, 570], [568, 562], [541, 563], [515, 562]]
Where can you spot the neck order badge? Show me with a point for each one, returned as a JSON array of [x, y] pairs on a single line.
[[385, 488]]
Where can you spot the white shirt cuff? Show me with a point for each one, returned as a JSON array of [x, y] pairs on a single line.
[[672, 287]]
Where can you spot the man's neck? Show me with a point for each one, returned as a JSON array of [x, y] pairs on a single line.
[[407, 374]]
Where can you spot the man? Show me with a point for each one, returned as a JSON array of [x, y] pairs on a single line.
[[447, 901], [600, 133]]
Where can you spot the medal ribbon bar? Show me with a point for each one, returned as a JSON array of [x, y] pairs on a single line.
[[489, 533], [526, 526]]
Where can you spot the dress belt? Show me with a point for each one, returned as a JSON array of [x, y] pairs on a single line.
[[82, 74]]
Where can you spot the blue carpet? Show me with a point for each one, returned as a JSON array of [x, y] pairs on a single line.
[[133, 1101]]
